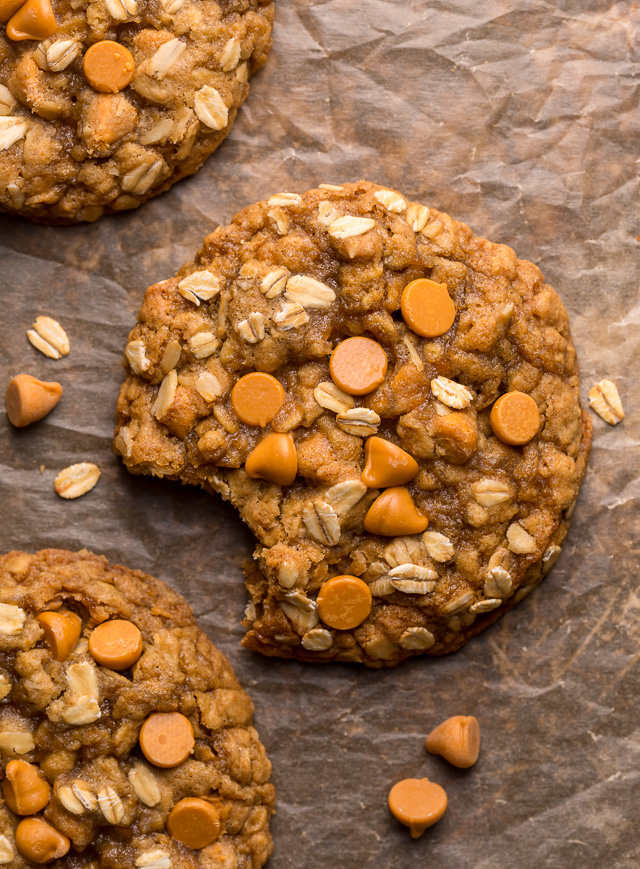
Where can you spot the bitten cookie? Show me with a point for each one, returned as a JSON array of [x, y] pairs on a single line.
[[125, 738], [105, 103], [391, 402]]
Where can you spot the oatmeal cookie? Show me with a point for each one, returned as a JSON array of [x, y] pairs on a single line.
[[391, 402], [105, 103], [125, 738]]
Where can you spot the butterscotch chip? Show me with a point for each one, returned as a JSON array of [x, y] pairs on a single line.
[[457, 740], [393, 514], [319, 267], [29, 399], [344, 602], [24, 790], [427, 308], [274, 459], [39, 842], [387, 464], [166, 739], [456, 437], [73, 727], [194, 822], [108, 66], [358, 365], [256, 398], [61, 632], [417, 803], [116, 644], [33, 20], [104, 106], [515, 418]]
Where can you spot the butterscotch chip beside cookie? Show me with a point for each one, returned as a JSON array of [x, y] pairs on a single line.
[[417, 803], [404, 413], [28, 399], [457, 740], [125, 738]]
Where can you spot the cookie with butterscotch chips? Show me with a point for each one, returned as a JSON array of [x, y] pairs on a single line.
[[126, 741], [106, 103], [391, 403]]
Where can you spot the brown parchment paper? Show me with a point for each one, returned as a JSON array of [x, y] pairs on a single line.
[[521, 118]]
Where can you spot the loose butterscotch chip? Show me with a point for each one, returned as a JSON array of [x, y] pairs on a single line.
[[386, 464], [427, 308], [39, 842], [166, 739], [457, 740], [358, 365], [34, 20], [24, 790], [274, 459], [393, 514], [256, 398], [29, 399], [194, 822], [116, 644], [344, 602], [108, 66], [515, 418], [61, 632], [418, 803]]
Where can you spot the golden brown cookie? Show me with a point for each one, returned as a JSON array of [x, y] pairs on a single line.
[[416, 422], [125, 739], [104, 104]]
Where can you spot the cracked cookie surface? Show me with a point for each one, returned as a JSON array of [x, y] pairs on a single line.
[[105, 103], [336, 364], [84, 715]]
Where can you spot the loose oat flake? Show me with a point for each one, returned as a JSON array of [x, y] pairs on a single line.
[[604, 398], [77, 480], [48, 336]]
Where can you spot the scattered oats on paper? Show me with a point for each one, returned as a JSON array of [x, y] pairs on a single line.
[[77, 480]]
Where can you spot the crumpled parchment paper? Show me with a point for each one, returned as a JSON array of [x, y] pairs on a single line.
[[521, 118]]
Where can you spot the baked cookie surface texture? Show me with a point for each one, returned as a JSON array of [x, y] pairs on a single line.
[[105, 103], [125, 739], [392, 404]]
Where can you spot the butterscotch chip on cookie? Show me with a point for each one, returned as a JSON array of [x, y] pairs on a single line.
[[104, 104], [389, 400], [125, 738]]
